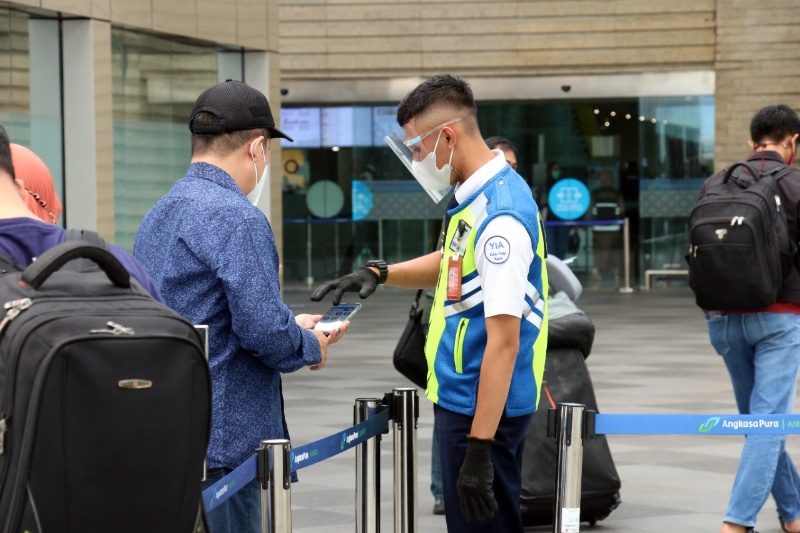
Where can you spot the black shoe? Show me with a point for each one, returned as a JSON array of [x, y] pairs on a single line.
[[438, 506]]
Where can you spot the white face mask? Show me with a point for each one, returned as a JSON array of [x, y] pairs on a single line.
[[426, 173], [254, 195]]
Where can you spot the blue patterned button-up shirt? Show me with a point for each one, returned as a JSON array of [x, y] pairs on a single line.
[[213, 257]]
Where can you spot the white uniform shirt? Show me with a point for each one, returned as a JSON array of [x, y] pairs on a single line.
[[503, 253]]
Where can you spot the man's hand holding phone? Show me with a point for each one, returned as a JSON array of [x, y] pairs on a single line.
[[328, 328]]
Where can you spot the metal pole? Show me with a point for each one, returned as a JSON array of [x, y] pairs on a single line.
[[309, 245], [368, 472], [276, 496], [626, 250], [567, 512], [406, 412]]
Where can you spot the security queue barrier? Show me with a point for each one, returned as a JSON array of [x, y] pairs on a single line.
[[572, 423], [626, 241], [275, 461]]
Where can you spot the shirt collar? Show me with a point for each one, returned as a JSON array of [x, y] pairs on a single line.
[[481, 176], [214, 174]]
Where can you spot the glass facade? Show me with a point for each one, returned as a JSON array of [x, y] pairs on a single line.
[[156, 81], [346, 197], [30, 87]]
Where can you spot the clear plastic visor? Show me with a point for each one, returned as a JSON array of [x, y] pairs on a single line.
[[413, 150]]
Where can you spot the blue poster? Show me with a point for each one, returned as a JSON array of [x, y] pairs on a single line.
[[569, 199]]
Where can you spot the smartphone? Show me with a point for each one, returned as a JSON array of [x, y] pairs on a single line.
[[335, 316]]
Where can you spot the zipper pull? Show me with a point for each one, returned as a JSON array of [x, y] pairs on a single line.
[[112, 328], [14, 308], [778, 202]]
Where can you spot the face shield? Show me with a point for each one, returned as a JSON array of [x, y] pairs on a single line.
[[421, 162]]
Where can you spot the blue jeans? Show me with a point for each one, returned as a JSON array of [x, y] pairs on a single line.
[[451, 431], [762, 355], [556, 238], [436, 469], [241, 513]]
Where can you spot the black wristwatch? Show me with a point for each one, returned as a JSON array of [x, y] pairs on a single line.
[[380, 264]]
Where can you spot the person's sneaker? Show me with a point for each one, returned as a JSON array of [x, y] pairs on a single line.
[[438, 506]]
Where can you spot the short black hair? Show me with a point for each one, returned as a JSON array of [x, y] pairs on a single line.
[[501, 143], [439, 91], [6, 163], [221, 144], [774, 123]]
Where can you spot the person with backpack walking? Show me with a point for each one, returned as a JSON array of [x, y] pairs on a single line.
[[761, 346]]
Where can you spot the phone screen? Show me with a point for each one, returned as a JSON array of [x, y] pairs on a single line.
[[336, 315]]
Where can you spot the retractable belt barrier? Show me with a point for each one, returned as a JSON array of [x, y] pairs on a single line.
[[275, 460], [300, 457], [571, 424]]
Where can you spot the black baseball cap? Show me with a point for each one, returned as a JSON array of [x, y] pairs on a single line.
[[239, 106]]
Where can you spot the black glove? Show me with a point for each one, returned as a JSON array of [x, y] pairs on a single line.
[[363, 281], [475, 482]]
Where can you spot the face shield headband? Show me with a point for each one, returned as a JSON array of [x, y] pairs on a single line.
[[422, 163]]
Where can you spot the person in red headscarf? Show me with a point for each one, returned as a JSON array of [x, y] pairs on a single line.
[[42, 199]]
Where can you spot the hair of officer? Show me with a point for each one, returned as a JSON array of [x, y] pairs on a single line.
[[500, 143], [440, 94], [220, 144], [774, 123], [6, 163]]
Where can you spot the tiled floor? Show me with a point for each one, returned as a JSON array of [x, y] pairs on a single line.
[[651, 355]]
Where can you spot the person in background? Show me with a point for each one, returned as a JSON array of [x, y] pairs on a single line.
[[557, 236], [42, 199], [484, 350], [212, 253], [607, 204], [504, 145], [761, 349], [24, 236]]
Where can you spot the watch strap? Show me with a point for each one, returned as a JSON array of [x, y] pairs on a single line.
[[382, 267]]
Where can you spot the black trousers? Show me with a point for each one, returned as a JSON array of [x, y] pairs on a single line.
[[451, 430]]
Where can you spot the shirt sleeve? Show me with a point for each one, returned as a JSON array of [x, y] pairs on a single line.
[[503, 256], [264, 325]]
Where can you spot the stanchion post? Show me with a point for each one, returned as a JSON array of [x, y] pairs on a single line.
[[368, 471], [274, 471], [405, 412], [570, 424], [626, 251]]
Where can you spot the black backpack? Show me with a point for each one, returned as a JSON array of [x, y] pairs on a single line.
[[105, 401], [740, 250]]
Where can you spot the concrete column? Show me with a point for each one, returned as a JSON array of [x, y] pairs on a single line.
[[88, 125]]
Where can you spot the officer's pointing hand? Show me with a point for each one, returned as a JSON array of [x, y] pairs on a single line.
[[363, 281]]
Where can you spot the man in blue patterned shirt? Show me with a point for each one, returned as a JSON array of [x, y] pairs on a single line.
[[212, 254]]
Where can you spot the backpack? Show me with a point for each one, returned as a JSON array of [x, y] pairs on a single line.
[[740, 249], [105, 400]]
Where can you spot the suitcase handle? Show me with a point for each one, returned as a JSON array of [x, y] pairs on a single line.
[[55, 258]]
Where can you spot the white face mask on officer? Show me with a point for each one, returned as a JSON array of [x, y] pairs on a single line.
[[421, 163], [255, 194], [428, 175]]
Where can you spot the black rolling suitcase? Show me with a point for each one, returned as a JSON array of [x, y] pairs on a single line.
[[566, 380], [104, 402]]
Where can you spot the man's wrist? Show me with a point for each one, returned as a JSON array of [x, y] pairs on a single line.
[[382, 267]]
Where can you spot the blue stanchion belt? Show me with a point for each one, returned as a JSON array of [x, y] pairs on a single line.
[[300, 457], [697, 424], [590, 222]]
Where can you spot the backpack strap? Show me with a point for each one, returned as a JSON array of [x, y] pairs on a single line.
[[780, 172], [9, 265], [92, 237], [738, 180]]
